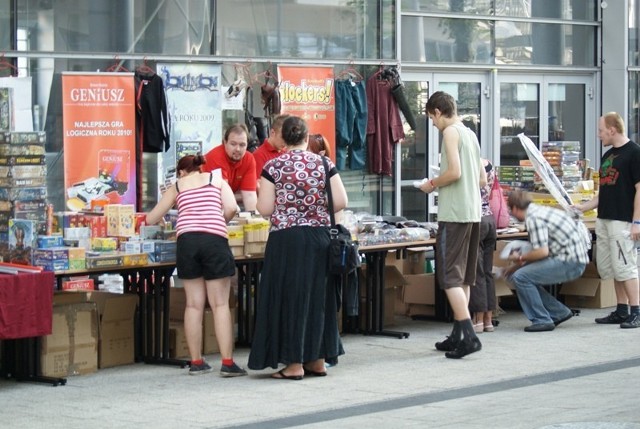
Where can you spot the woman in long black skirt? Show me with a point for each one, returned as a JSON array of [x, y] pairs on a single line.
[[296, 319]]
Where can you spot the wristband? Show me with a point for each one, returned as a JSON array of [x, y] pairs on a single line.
[[636, 222], [432, 184]]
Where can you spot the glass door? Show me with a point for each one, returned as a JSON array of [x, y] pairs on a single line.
[[545, 108], [421, 148]]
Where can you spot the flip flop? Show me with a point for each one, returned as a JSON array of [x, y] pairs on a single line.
[[280, 375], [315, 373]]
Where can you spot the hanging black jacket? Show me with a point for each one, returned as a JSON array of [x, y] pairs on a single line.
[[151, 113]]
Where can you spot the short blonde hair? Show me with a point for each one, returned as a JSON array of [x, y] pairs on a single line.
[[614, 120]]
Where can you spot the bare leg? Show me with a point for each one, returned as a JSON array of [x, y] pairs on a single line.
[[196, 296], [621, 293], [457, 297], [630, 290], [218, 293]]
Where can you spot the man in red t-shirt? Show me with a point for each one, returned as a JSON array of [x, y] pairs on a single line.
[[271, 147], [237, 165]]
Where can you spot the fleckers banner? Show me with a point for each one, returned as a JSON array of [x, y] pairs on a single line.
[[308, 92], [99, 138]]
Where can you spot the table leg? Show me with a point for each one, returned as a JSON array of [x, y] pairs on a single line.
[[159, 285], [248, 279], [21, 361], [375, 291]]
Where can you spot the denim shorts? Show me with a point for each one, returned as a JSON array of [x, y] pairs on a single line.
[[200, 254]]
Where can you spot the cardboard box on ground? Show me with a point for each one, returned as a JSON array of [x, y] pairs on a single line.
[[589, 291], [91, 330], [393, 282], [177, 340], [116, 314], [72, 347], [416, 296]]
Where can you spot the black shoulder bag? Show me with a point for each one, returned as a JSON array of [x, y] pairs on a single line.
[[343, 251]]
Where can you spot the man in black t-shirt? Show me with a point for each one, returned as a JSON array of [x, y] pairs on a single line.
[[618, 223]]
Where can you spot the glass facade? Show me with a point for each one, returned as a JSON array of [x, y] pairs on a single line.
[[470, 40], [633, 121], [548, 9], [44, 38]]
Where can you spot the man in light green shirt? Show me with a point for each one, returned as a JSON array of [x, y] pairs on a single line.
[[459, 214]]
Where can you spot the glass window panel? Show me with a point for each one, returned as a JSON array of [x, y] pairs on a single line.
[[363, 191], [413, 157], [549, 44], [633, 127], [554, 9], [128, 26], [634, 32], [566, 104], [5, 25], [519, 113], [446, 40], [310, 29], [476, 7]]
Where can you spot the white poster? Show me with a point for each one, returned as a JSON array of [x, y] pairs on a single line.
[[193, 95], [22, 109]]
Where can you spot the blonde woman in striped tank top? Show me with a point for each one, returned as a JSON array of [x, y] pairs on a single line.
[[204, 261]]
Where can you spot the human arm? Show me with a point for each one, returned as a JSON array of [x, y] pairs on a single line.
[[532, 256], [453, 172], [339, 193], [593, 203], [267, 198], [249, 200], [229, 206], [635, 227], [483, 175], [164, 205]]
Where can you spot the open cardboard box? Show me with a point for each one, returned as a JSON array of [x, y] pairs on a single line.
[[115, 323], [393, 280], [587, 292]]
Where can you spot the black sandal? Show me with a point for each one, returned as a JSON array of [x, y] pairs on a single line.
[[283, 376], [315, 373]]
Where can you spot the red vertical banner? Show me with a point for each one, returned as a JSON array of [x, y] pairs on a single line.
[[308, 92], [99, 139]]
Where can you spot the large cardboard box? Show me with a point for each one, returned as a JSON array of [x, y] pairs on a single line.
[[393, 279], [177, 303], [421, 310], [72, 347], [420, 289], [116, 314], [177, 341], [414, 263], [503, 288], [420, 295], [591, 271], [586, 292]]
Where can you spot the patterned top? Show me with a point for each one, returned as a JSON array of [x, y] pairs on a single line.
[[485, 191], [200, 210], [556, 230], [301, 198]]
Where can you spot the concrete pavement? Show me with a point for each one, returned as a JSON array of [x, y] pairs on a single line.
[[581, 375]]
